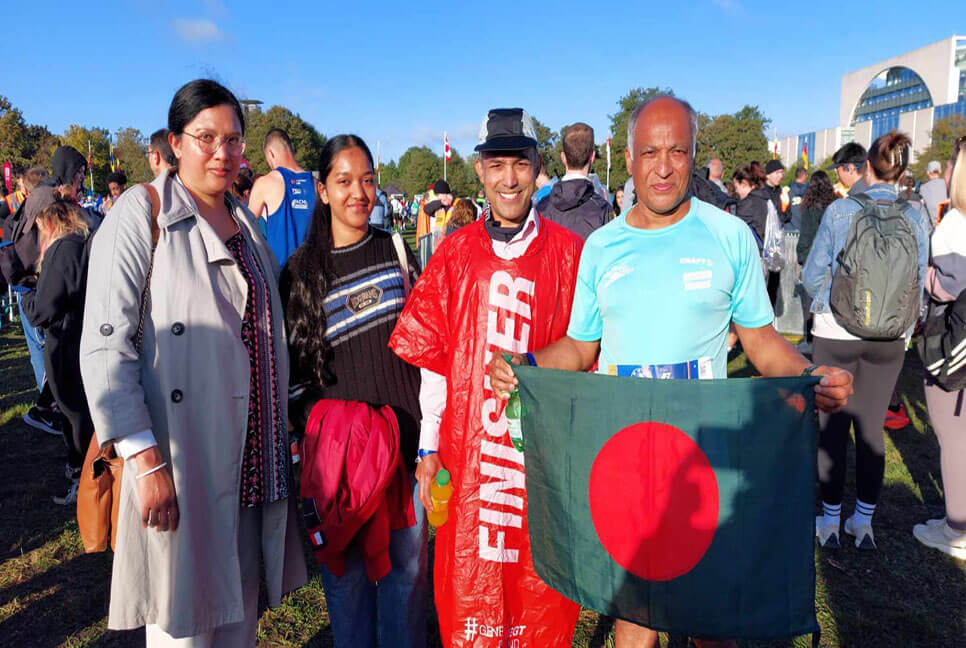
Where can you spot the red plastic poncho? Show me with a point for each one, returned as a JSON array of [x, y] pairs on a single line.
[[467, 304]]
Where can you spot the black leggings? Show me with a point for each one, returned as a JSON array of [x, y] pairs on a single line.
[[876, 367]]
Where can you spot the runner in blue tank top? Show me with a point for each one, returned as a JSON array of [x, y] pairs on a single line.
[[283, 199]]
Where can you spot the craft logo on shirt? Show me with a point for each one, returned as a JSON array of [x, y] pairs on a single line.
[[364, 298], [697, 280], [296, 191], [696, 261], [300, 203]]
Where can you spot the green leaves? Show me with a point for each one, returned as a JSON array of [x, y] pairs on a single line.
[[308, 142], [944, 135]]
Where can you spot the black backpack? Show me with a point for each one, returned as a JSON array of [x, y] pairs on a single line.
[[876, 288], [943, 344]]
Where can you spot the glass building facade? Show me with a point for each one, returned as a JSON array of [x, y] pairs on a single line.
[[895, 91], [958, 108]]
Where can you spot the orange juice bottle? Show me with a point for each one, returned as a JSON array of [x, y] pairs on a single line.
[[440, 491]]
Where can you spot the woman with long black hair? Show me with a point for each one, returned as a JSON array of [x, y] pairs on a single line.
[[819, 195], [343, 290]]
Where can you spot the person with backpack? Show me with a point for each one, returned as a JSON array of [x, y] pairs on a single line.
[[343, 291], [874, 248], [946, 285]]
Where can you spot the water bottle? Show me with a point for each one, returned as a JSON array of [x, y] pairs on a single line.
[[440, 491], [514, 410]]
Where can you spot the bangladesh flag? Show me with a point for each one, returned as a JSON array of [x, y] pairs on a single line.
[[683, 505]]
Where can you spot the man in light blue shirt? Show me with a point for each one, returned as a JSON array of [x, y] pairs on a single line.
[[659, 287], [702, 273]]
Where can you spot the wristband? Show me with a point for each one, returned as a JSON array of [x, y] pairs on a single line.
[[807, 371], [422, 454], [530, 359], [155, 469]]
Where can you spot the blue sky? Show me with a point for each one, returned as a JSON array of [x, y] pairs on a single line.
[[402, 73]]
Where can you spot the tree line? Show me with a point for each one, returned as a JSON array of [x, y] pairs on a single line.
[[27, 145], [735, 138]]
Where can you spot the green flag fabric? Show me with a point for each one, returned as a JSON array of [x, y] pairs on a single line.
[[683, 505]]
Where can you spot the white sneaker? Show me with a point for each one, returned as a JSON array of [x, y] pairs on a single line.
[[939, 535], [864, 538], [70, 497], [828, 535]]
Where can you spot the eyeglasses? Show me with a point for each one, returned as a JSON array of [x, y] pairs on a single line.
[[209, 144]]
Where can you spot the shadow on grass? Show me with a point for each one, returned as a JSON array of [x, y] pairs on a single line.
[[28, 517], [902, 594], [916, 443], [57, 602]]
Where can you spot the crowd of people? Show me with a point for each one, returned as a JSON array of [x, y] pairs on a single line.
[[218, 330]]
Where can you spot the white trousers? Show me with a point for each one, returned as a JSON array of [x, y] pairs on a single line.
[[235, 634]]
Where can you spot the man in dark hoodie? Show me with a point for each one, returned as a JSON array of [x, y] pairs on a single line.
[[573, 202]]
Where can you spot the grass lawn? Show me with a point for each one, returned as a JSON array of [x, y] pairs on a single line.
[[52, 594]]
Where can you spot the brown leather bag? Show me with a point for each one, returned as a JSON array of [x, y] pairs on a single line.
[[98, 496], [99, 488]]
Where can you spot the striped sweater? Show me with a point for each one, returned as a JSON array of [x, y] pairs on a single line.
[[365, 298]]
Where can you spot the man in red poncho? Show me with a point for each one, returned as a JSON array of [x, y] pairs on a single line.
[[504, 282]]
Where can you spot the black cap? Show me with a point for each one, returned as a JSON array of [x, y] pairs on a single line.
[[773, 165], [851, 153], [507, 129], [441, 187]]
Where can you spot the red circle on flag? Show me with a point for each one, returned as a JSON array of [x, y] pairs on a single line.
[[653, 499]]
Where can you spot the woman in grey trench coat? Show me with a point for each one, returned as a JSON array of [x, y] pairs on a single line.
[[195, 399]]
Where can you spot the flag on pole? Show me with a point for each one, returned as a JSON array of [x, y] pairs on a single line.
[[774, 154], [446, 150], [90, 164], [608, 164], [682, 505], [805, 155], [110, 144]]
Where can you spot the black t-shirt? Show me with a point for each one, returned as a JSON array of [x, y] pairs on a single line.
[[365, 298]]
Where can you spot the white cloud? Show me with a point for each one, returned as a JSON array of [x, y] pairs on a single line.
[[198, 30]]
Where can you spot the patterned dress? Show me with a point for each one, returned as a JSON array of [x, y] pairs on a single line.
[[265, 462]]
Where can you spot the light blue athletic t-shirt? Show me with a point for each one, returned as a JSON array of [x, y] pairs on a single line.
[[660, 301]]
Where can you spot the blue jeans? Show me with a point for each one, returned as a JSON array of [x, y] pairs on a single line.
[[35, 345], [391, 613]]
